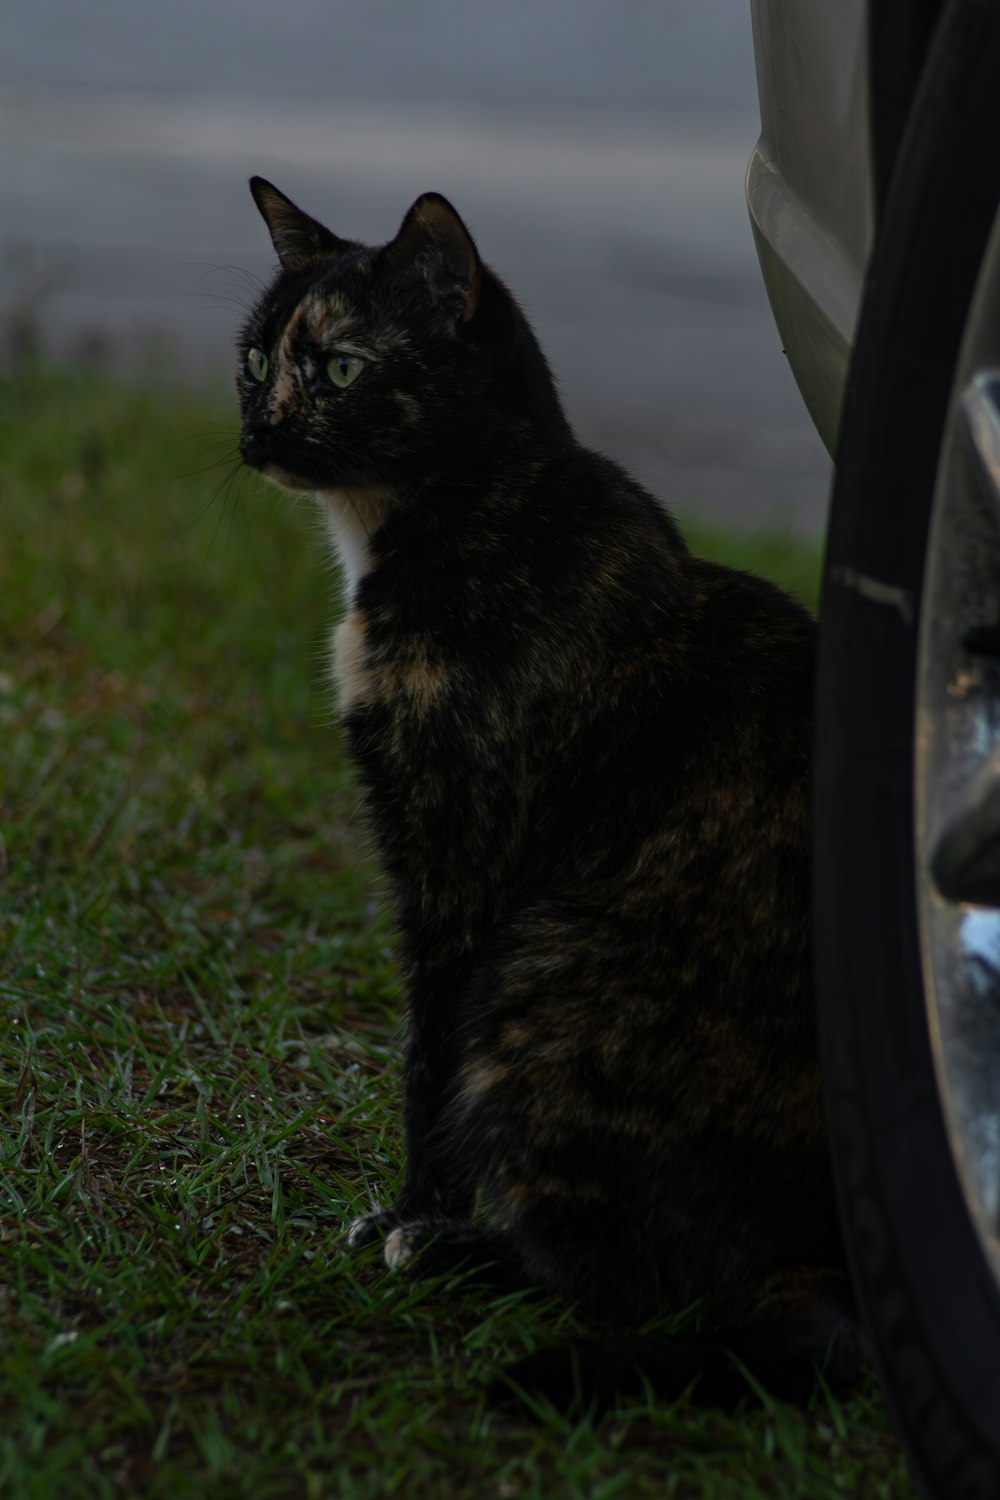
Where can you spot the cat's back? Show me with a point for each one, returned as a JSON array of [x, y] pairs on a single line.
[[689, 673], [749, 697]]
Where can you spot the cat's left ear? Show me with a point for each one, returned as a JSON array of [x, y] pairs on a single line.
[[433, 237], [296, 237]]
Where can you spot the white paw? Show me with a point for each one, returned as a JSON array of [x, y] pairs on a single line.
[[397, 1250], [357, 1230]]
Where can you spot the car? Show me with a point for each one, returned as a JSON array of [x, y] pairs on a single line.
[[874, 196]]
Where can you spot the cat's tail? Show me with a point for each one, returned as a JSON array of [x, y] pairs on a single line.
[[783, 1358]]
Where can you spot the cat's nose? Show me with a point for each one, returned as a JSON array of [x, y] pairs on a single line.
[[255, 443]]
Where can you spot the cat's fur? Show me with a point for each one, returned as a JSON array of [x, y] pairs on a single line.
[[584, 753]]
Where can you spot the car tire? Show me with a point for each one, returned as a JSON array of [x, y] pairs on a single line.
[[923, 1254]]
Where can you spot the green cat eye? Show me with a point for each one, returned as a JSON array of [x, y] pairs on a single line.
[[257, 361], [344, 368]]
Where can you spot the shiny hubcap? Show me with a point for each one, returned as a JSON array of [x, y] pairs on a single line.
[[957, 766]]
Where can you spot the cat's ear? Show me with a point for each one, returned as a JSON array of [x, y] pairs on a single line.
[[433, 237], [297, 238]]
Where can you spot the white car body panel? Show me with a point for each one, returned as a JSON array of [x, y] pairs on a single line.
[[810, 186]]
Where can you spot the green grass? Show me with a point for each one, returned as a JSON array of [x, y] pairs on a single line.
[[198, 1062]]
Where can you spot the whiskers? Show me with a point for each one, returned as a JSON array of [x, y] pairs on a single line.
[[219, 448], [215, 446], [230, 488], [240, 294]]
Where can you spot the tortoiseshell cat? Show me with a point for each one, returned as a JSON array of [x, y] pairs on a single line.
[[584, 754]]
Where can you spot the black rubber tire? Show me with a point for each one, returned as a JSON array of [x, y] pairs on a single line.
[[929, 1297]]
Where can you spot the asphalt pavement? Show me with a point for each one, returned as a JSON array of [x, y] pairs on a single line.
[[597, 153]]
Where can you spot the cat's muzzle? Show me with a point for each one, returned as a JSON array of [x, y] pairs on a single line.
[[255, 447]]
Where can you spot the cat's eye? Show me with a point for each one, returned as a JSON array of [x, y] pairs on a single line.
[[344, 368], [257, 363]]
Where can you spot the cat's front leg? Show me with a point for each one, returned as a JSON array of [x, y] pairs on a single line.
[[367, 1228], [423, 1198], [434, 1188], [437, 1247]]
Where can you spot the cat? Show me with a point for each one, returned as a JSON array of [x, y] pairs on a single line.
[[584, 753]]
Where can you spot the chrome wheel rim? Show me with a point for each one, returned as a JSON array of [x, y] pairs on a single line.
[[957, 764]]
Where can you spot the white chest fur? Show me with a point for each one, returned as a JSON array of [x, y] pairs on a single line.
[[349, 530], [351, 518]]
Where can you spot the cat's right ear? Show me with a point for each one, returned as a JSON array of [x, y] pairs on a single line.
[[296, 237], [433, 237]]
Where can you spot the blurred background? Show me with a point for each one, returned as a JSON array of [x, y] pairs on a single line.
[[596, 151]]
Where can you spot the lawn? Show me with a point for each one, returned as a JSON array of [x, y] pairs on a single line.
[[198, 1031]]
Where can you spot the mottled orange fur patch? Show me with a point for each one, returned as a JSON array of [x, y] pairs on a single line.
[[422, 677], [355, 682], [479, 1076], [285, 389], [411, 408], [327, 318], [283, 394]]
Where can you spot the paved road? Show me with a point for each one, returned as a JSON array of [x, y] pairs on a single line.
[[599, 162]]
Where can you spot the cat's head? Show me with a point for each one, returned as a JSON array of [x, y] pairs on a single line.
[[379, 366]]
